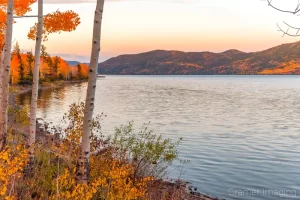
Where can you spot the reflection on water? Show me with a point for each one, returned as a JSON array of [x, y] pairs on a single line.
[[239, 132], [52, 100]]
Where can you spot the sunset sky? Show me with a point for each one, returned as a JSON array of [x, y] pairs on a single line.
[[134, 26]]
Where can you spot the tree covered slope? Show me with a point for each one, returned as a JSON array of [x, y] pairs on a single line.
[[283, 59]]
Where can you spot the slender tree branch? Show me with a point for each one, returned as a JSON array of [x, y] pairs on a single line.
[[297, 9], [287, 32], [291, 26], [12, 186], [57, 185], [99, 150], [25, 16]]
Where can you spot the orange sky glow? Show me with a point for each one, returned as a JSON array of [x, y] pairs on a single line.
[[133, 26]]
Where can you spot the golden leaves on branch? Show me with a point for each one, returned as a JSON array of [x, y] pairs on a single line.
[[21, 7], [56, 23], [12, 163]]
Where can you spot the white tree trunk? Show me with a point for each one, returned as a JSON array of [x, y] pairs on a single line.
[[1, 73], [83, 164], [5, 64], [35, 82]]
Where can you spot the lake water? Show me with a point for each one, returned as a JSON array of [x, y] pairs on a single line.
[[241, 133]]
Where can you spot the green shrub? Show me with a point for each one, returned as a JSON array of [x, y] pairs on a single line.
[[148, 152]]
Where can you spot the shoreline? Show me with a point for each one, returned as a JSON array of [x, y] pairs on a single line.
[[21, 89], [164, 185], [186, 75], [16, 90]]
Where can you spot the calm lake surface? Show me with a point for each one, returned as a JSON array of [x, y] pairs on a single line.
[[239, 132]]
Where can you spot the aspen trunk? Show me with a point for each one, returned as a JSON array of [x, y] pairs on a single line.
[[83, 166], [35, 82], [5, 65], [1, 75]]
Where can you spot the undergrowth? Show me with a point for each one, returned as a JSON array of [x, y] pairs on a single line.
[[122, 165]]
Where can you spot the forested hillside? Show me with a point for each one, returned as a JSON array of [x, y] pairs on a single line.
[[283, 59]]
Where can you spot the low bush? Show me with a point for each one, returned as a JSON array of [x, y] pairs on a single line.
[[122, 165]]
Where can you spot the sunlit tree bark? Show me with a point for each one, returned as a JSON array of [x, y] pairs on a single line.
[[5, 64], [83, 164], [35, 82], [56, 22], [1, 75]]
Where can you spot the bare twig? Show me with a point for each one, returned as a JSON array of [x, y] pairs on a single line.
[[107, 195], [25, 16], [12, 187], [99, 150], [291, 26], [286, 32], [57, 188], [297, 9]]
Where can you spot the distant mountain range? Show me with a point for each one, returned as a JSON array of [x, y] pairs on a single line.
[[282, 59], [73, 63]]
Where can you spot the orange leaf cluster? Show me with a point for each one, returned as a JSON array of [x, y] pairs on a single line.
[[20, 8], [55, 23]]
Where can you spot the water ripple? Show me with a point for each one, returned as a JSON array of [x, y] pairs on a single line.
[[240, 132]]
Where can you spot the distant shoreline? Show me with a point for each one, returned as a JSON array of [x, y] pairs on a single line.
[[22, 89], [199, 74]]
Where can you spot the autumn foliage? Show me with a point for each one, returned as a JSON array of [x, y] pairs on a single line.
[[114, 174], [121, 167], [52, 68], [282, 59], [291, 67], [56, 22], [12, 163], [20, 8]]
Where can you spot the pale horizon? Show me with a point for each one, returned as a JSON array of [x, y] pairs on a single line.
[[135, 26]]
